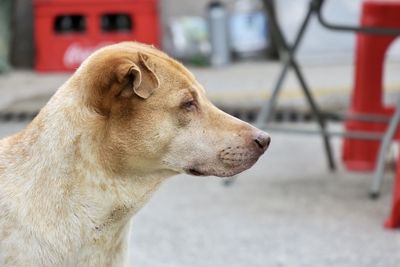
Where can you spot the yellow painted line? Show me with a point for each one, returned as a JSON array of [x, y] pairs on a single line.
[[291, 93]]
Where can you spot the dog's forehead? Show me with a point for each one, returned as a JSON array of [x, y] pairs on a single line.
[[179, 72]]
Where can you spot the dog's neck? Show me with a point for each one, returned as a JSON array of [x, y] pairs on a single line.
[[64, 177]]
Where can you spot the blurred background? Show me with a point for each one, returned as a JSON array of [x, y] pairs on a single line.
[[289, 210]]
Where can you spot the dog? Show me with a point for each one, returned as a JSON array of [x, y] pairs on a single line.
[[127, 119]]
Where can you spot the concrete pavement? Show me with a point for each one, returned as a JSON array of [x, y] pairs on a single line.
[[287, 211]]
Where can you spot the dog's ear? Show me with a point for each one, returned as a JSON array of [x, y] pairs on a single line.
[[141, 77]]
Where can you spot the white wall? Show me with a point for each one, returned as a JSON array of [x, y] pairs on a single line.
[[320, 44]]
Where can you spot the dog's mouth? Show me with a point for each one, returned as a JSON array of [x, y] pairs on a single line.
[[195, 172], [234, 167]]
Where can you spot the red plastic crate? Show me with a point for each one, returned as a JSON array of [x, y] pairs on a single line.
[[68, 31], [368, 91]]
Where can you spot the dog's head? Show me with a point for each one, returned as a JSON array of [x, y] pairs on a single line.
[[154, 116]]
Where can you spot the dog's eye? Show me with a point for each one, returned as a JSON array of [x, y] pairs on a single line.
[[190, 105]]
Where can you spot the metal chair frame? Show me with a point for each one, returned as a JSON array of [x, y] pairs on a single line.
[[289, 61]]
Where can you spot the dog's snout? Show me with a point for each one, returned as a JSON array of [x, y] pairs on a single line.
[[262, 141]]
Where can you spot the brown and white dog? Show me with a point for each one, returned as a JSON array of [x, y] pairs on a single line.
[[127, 119]]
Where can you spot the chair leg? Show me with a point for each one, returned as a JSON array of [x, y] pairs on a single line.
[[288, 52], [393, 220], [229, 181], [317, 113], [268, 108], [384, 148]]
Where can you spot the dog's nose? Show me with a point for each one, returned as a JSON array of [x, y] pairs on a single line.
[[262, 141]]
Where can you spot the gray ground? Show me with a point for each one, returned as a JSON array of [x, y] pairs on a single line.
[[287, 211]]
